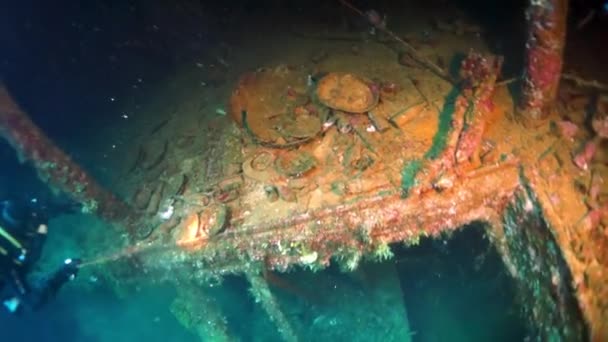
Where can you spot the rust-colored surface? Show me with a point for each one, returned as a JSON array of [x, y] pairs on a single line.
[[279, 112], [352, 189], [54, 167], [346, 92], [547, 21]]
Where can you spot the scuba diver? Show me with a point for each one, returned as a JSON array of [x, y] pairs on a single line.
[[23, 231]]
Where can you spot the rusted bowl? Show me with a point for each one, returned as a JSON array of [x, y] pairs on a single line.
[[295, 164], [198, 228], [346, 92]]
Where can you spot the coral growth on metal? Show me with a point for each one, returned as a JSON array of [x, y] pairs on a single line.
[[317, 185], [343, 187], [340, 195]]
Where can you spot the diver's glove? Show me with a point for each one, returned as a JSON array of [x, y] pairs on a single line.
[[40, 295], [54, 283], [64, 274], [69, 269]]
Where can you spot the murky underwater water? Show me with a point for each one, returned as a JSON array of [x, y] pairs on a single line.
[[92, 83], [455, 290]]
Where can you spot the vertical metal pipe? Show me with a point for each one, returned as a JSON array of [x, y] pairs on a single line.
[[544, 57]]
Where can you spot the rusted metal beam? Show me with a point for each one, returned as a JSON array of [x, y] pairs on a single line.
[[262, 294], [361, 227], [54, 167]]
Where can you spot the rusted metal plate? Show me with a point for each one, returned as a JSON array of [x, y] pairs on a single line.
[[346, 92]]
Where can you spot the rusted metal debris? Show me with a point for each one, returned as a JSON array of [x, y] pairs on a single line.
[[340, 198]]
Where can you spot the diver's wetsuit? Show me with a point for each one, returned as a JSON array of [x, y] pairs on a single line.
[[22, 236]]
